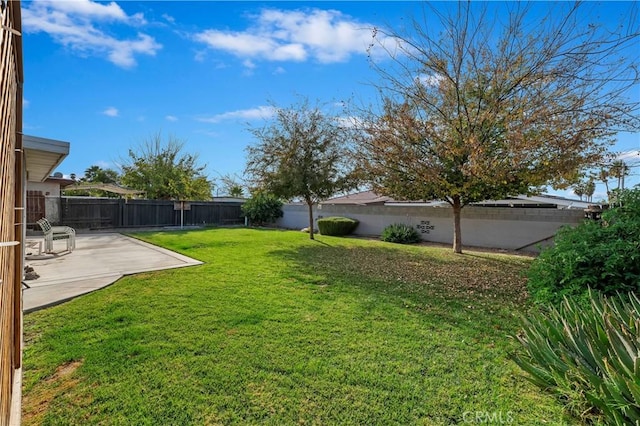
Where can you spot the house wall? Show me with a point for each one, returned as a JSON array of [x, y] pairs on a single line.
[[52, 209], [51, 193], [48, 189], [492, 227]]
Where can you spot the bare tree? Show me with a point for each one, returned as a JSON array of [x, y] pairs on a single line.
[[489, 101]]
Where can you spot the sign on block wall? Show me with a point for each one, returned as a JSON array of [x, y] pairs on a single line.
[[425, 227]]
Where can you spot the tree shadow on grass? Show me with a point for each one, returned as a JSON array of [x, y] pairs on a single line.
[[455, 286]]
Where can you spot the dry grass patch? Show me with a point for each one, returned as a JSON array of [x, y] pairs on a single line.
[[35, 404]]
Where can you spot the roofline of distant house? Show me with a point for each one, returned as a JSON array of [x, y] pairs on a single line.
[[523, 201]]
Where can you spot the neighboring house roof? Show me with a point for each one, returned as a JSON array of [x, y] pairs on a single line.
[[230, 199], [361, 198], [541, 201], [42, 156], [63, 182], [560, 202]]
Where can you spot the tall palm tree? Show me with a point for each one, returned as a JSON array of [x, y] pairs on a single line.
[[579, 189], [589, 189], [603, 175], [619, 169]]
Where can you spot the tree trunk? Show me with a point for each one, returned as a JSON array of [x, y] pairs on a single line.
[[457, 235], [310, 205]]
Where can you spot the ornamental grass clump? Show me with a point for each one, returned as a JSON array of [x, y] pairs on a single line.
[[400, 233], [337, 226], [589, 356]]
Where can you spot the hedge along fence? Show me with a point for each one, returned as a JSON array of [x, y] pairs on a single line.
[[494, 227], [337, 226]]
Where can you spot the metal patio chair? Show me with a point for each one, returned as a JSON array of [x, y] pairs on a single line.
[[53, 233]]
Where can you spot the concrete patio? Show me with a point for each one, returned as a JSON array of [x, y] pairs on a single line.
[[99, 260]]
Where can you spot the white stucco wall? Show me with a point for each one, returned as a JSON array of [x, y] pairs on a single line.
[[493, 227], [51, 192], [48, 189]]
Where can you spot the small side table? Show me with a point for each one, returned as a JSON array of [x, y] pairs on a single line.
[[34, 244]]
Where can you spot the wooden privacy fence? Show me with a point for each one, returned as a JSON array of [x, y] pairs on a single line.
[[96, 213], [11, 209]]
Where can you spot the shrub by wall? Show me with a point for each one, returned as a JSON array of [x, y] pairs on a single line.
[[602, 255], [262, 208], [400, 233], [337, 226]]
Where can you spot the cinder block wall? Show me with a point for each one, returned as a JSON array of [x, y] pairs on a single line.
[[506, 228]]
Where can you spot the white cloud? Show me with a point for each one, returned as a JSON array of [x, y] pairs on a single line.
[[279, 70], [633, 154], [169, 18], [323, 35], [74, 24], [430, 79], [248, 63], [25, 103], [259, 113], [208, 133], [111, 112], [349, 122], [200, 56], [88, 8], [171, 118]]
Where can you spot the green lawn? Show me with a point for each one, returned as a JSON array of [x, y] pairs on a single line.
[[276, 329]]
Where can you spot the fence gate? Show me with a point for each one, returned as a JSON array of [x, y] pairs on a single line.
[[35, 207]]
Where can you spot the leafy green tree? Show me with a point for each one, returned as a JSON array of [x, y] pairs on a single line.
[[236, 191], [96, 174], [489, 103], [164, 172], [262, 208], [303, 153]]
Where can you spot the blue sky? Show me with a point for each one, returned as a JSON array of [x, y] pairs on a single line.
[[106, 76]]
